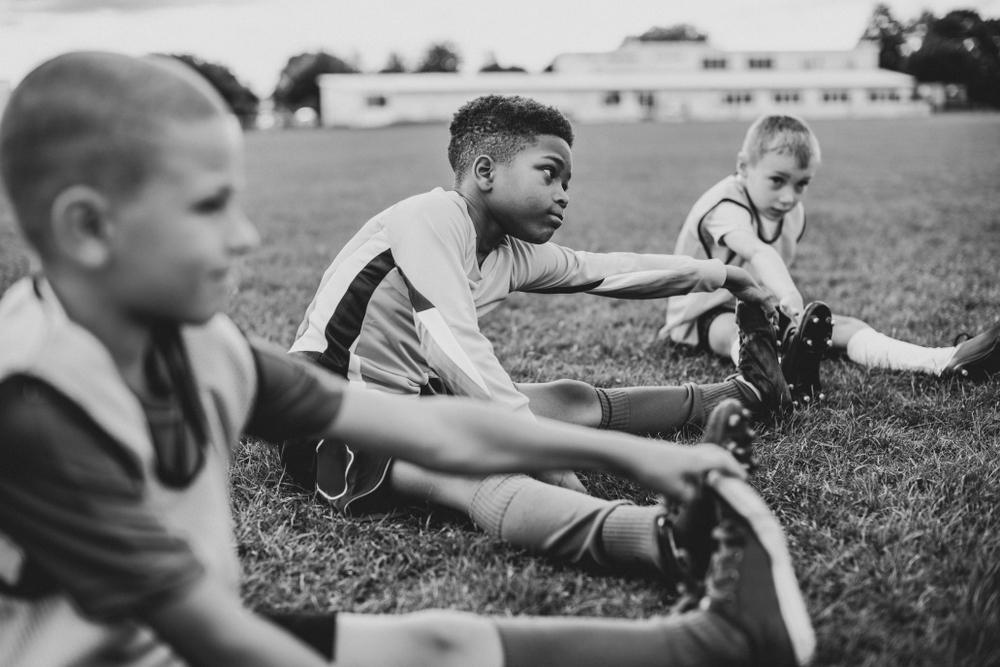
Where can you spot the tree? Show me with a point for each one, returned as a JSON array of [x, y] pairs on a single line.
[[440, 57], [394, 65], [493, 66], [297, 87], [961, 48], [243, 101], [890, 35], [681, 32]]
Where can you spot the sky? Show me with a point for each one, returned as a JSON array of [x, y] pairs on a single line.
[[255, 38]]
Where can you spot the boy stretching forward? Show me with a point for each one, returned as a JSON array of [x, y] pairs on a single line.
[[398, 311], [755, 219], [123, 390]]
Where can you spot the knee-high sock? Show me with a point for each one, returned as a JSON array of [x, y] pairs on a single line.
[[565, 524], [666, 409], [685, 640], [875, 350]]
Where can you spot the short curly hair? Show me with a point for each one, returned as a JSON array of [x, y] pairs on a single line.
[[781, 134], [500, 126]]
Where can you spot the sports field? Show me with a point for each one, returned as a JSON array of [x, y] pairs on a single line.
[[889, 490]]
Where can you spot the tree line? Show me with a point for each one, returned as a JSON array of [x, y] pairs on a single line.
[[960, 47]]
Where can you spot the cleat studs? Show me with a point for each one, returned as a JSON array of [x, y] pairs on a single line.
[[815, 320], [809, 342], [822, 397], [734, 419], [805, 399], [829, 342], [964, 373]]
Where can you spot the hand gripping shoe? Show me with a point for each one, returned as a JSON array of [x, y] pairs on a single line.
[[685, 535]]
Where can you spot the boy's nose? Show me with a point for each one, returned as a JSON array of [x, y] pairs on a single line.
[[243, 235], [562, 198]]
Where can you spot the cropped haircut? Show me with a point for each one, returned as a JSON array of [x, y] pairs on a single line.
[[93, 119], [500, 126], [781, 134]]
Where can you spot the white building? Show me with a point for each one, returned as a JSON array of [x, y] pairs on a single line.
[[643, 81]]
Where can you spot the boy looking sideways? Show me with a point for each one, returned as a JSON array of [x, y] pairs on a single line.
[[122, 390], [398, 310], [755, 218]]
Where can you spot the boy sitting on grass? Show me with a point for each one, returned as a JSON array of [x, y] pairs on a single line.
[[398, 310], [755, 219], [122, 391]]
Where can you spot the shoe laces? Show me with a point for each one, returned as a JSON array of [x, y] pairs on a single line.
[[724, 572]]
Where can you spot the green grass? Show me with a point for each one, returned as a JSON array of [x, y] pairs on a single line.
[[888, 491]]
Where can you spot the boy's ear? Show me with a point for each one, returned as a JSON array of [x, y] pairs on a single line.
[[81, 227], [482, 172], [741, 164]]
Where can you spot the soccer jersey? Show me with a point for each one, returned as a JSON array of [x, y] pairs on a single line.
[[112, 504], [724, 208], [400, 304]]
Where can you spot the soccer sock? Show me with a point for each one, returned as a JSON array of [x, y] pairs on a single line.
[[685, 640], [565, 524], [668, 409], [875, 350]]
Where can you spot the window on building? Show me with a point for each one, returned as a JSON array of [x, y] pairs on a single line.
[[646, 99], [836, 96], [713, 63], [884, 95], [612, 98], [760, 63], [737, 98], [376, 101], [787, 97]]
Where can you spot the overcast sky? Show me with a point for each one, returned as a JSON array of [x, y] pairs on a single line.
[[254, 38]]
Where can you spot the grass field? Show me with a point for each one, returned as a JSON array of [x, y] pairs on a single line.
[[889, 490]]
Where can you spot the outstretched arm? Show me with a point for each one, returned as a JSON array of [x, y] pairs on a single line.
[[768, 265], [473, 437]]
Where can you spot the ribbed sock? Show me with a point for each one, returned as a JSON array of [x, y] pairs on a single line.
[[628, 536], [616, 410]]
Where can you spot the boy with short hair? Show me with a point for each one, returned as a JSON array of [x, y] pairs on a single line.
[[398, 310], [122, 391], [755, 218]]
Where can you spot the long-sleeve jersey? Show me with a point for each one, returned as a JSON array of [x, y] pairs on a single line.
[[724, 208], [401, 303]]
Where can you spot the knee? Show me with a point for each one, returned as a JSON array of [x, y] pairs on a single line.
[[573, 393]]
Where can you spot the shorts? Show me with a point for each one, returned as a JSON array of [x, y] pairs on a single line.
[[351, 480], [704, 322]]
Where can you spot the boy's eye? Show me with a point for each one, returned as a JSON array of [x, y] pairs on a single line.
[[212, 204], [549, 172]]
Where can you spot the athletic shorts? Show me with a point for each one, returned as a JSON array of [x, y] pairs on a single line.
[[350, 479], [704, 322]]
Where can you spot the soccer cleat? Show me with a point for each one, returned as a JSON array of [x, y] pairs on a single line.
[[751, 582], [802, 349], [685, 535], [978, 357], [759, 359]]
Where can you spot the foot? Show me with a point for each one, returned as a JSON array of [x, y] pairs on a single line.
[[759, 366], [802, 348], [685, 535], [978, 357], [751, 583]]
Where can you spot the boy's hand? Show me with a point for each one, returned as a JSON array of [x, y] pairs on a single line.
[[761, 296], [679, 473], [792, 306]]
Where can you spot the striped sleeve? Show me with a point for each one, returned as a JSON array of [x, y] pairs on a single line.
[[551, 269], [432, 245]]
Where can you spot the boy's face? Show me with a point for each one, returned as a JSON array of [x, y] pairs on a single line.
[[176, 239], [529, 195], [776, 183]]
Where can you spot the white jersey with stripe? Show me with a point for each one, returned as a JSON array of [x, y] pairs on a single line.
[[724, 208], [401, 303]]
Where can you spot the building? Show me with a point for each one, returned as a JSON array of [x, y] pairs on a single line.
[[644, 81]]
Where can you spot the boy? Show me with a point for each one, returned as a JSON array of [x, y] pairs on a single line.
[[122, 391], [398, 311], [755, 219]]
